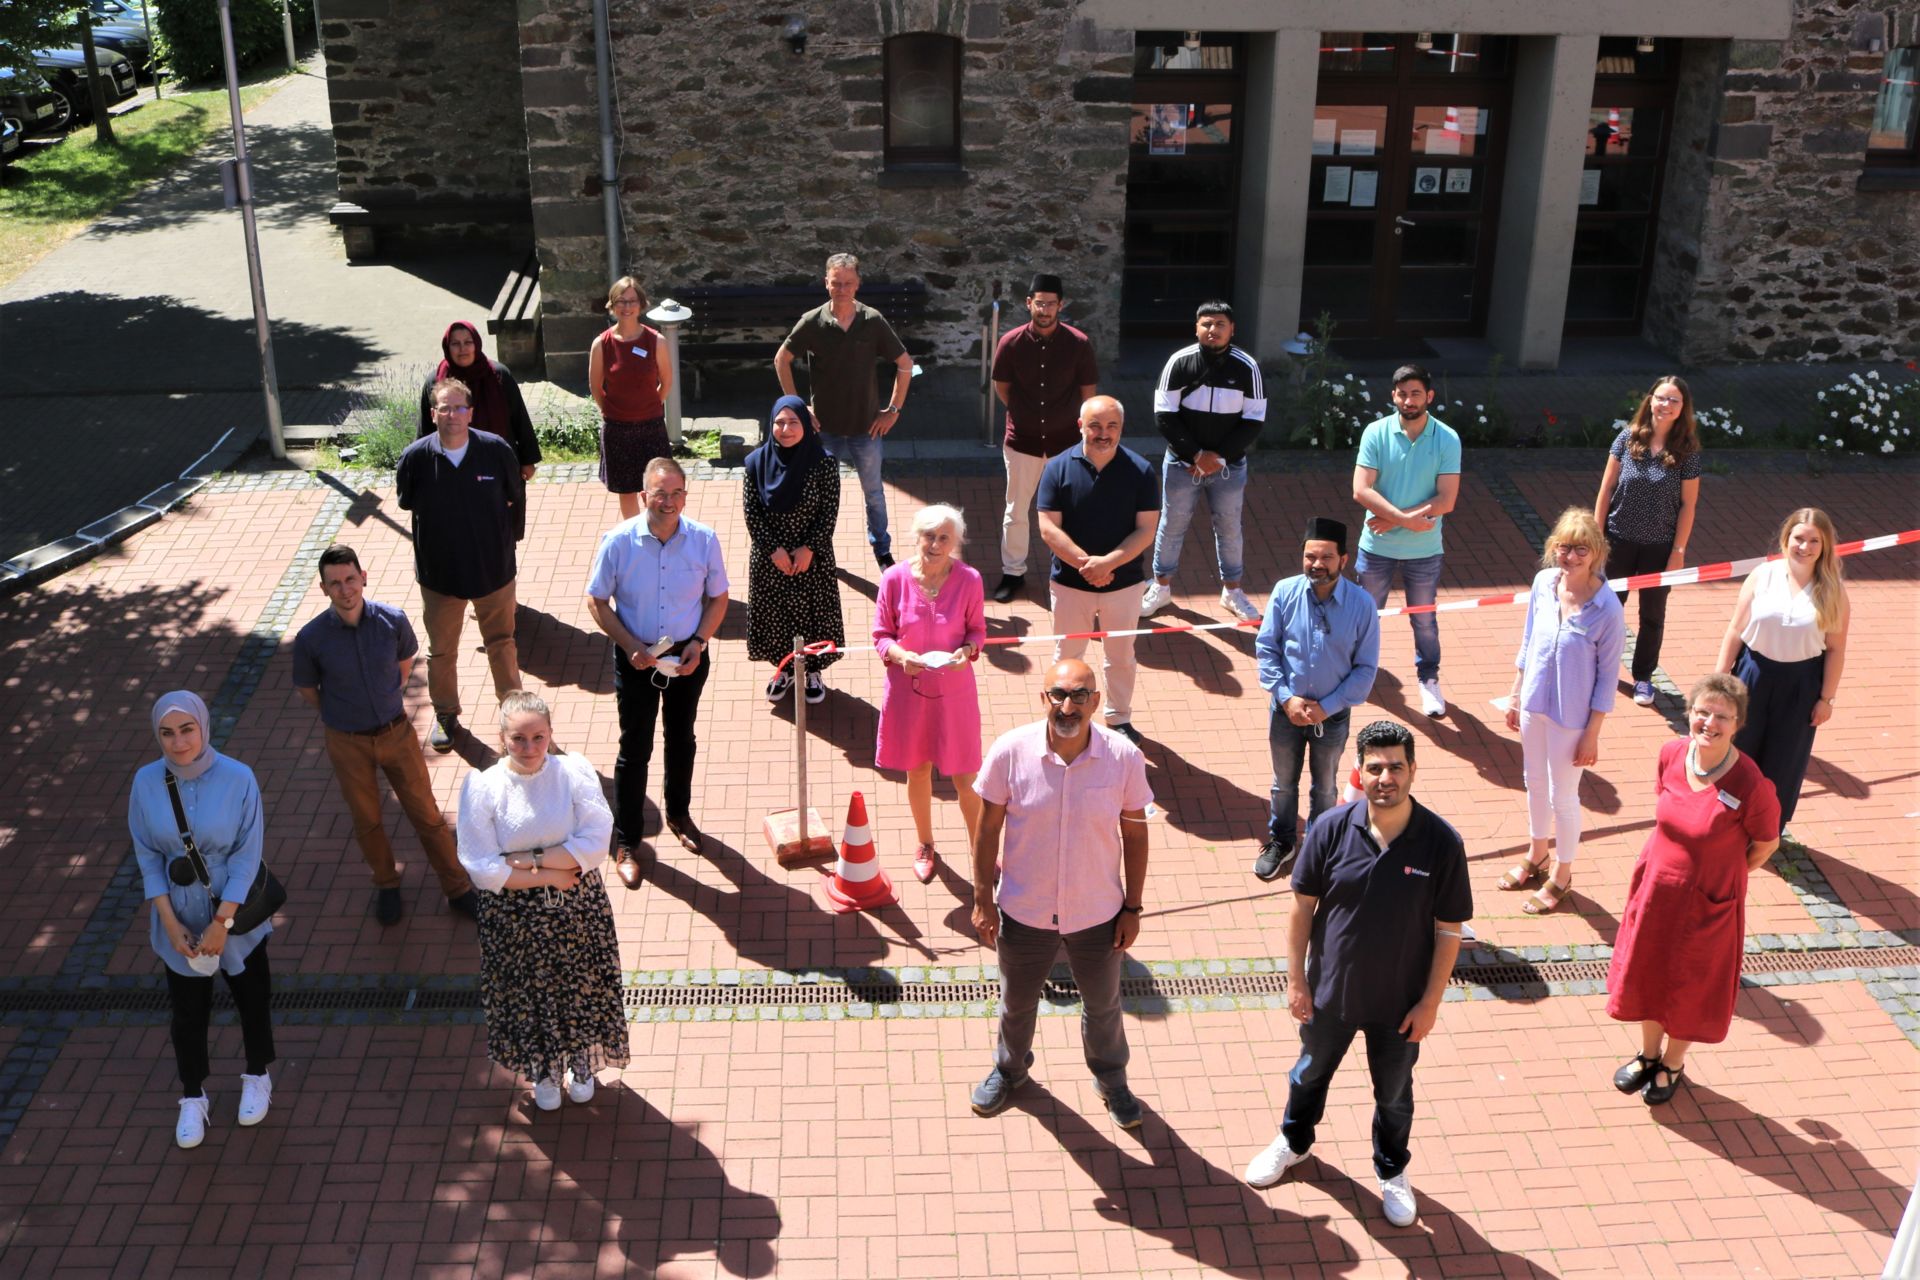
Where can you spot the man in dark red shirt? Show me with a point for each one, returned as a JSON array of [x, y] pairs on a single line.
[[1043, 372]]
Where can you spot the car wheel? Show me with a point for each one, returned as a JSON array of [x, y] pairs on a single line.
[[74, 107]]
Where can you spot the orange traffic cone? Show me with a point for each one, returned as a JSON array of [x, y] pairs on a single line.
[[858, 883]]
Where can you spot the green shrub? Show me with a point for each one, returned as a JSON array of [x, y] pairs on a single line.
[[569, 434], [389, 419], [1327, 406], [188, 33]]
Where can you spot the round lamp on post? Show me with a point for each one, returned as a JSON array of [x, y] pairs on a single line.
[[667, 318]]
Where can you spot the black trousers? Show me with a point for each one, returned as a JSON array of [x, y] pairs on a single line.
[[1624, 559], [192, 997], [640, 702]]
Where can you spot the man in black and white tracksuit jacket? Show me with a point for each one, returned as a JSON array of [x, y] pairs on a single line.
[[1210, 405]]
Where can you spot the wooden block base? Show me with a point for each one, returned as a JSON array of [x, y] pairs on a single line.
[[782, 829]]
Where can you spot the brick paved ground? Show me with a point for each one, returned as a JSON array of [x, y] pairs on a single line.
[[824, 1130]]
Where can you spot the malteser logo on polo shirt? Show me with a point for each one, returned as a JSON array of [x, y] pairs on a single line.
[[1415, 871]]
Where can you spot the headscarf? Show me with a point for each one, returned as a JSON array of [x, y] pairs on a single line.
[[191, 703], [780, 472], [490, 412]]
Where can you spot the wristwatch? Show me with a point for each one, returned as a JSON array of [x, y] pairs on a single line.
[[890, 409], [1132, 910], [224, 922]]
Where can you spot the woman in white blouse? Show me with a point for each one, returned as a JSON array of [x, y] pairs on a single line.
[[1787, 642], [533, 832]]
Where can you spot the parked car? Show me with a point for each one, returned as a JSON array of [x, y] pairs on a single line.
[[9, 140], [26, 97], [66, 71], [127, 38]]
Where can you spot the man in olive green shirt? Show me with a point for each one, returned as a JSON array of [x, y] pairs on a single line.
[[843, 340]]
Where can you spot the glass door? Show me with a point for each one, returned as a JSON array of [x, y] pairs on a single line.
[[1183, 180], [1402, 211]]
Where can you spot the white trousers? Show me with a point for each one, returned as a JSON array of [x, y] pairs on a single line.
[[1075, 610], [1553, 783], [1023, 479]]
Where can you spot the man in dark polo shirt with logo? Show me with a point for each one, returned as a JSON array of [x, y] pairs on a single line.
[[1099, 505], [843, 340], [468, 501], [351, 664], [1043, 371], [1380, 896]]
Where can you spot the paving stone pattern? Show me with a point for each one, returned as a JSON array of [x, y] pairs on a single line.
[[782, 1115]]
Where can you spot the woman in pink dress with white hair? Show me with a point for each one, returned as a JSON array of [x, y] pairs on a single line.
[[929, 623]]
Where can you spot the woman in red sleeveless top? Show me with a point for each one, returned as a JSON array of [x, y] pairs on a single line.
[[630, 375]]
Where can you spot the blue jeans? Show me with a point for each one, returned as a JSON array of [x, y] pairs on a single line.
[[1291, 745], [1226, 491], [1390, 1059], [1421, 577], [863, 454]]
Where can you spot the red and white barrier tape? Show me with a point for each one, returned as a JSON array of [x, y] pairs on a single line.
[[1726, 570]]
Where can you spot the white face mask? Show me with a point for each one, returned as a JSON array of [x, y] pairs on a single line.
[[205, 966]]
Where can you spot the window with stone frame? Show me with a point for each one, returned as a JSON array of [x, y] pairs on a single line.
[[1893, 139], [921, 103]]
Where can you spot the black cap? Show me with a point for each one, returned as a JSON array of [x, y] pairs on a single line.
[[1045, 283], [1322, 529]]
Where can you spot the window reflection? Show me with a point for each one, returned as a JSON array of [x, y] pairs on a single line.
[[1894, 112], [1450, 131]]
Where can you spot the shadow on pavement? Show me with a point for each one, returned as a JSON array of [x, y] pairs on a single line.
[[293, 177], [83, 343], [620, 1162]]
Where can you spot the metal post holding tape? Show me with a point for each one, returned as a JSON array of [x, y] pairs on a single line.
[[797, 836], [668, 317]]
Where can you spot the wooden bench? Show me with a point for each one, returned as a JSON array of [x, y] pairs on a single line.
[[360, 225], [722, 311], [514, 321]]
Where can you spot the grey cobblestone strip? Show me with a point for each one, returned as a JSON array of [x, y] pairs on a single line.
[[21, 1071], [1899, 995]]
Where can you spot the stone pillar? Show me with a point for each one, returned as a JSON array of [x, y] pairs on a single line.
[[1540, 201], [1276, 164]]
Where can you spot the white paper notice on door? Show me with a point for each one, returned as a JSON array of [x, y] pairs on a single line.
[[1357, 142], [1339, 183], [1324, 132], [1589, 186], [1443, 142], [1366, 184]]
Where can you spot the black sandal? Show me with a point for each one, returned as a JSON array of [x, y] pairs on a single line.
[[1656, 1094], [1633, 1076]]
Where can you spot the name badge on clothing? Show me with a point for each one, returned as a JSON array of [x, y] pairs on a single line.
[[1732, 802], [641, 352], [1416, 871]]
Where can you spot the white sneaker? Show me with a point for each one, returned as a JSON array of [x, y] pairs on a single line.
[[1272, 1164], [1159, 596], [580, 1088], [546, 1094], [1432, 702], [1396, 1197], [190, 1130], [256, 1095], [1236, 603]]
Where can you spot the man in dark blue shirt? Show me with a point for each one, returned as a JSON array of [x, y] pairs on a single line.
[[1380, 895], [351, 664], [1099, 505]]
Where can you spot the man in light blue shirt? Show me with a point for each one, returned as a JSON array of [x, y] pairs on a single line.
[[1408, 478], [1319, 649], [659, 589]]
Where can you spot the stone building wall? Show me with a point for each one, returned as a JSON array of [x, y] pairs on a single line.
[[425, 101], [1794, 261], [744, 163]]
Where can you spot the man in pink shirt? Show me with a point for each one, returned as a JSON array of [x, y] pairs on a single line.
[[1071, 798]]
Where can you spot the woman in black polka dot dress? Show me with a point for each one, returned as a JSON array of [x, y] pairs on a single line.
[[793, 503]]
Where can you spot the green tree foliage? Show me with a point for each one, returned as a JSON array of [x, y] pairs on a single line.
[[26, 25], [189, 31]]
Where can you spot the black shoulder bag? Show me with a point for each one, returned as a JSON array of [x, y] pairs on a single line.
[[266, 896]]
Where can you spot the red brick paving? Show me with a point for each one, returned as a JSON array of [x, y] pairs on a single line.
[[846, 1148]]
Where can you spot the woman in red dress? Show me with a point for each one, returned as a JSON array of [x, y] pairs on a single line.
[[1676, 963]]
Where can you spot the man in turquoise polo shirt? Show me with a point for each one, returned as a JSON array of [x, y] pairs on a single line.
[[1408, 477]]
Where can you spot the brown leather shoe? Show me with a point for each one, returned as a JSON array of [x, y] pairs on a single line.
[[628, 866], [681, 827]]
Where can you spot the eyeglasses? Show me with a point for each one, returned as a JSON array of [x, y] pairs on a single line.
[[453, 408], [1667, 400], [1576, 548], [1078, 697]]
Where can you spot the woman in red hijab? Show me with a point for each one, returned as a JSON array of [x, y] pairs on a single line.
[[498, 407]]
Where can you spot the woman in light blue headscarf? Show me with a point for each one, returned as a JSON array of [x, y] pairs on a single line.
[[220, 802]]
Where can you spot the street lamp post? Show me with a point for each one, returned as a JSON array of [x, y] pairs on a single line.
[[243, 188]]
